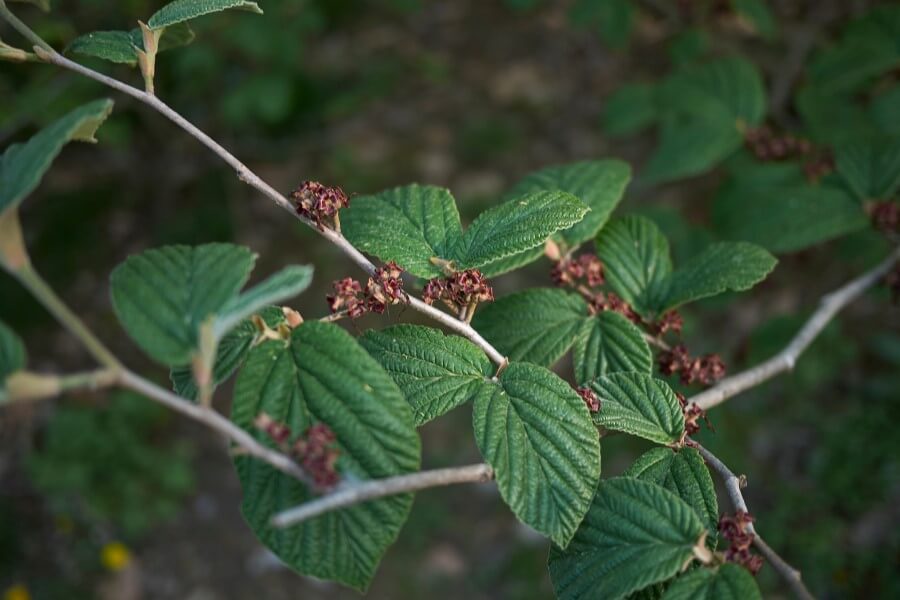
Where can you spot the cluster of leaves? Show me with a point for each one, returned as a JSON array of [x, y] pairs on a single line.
[[183, 306], [708, 114]]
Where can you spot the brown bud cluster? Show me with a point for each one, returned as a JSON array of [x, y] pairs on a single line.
[[885, 216], [587, 268], [692, 415], [818, 167], [767, 145], [706, 369], [385, 287], [601, 301], [317, 455], [459, 290], [313, 450], [670, 321], [347, 297], [319, 203], [590, 398], [736, 530]]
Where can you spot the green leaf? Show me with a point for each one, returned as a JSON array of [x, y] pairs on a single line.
[[537, 435], [639, 404], [757, 13], [162, 296], [23, 165], [418, 227], [408, 225], [871, 170], [121, 46], [12, 352], [726, 582], [323, 375], [231, 351], [636, 260], [608, 343], [435, 372], [705, 108], [113, 46], [631, 109], [691, 144], [723, 266], [599, 184], [186, 10], [636, 533], [785, 218], [684, 473], [536, 326], [517, 225], [285, 284]]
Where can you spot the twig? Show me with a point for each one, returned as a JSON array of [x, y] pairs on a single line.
[[379, 488], [733, 485], [246, 175], [214, 421], [829, 306], [27, 386]]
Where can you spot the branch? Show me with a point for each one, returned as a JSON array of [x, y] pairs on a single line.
[[26, 386], [246, 175], [829, 306], [216, 422], [379, 488], [733, 485]]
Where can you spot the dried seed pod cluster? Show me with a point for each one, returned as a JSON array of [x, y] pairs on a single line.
[[314, 449], [460, 292], [384, 288], [735, 530], [320, 203], [706, 370]]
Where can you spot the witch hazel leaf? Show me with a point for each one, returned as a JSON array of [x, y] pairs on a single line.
[[636, 261], [23, 165], [725, 582], [536, 326], [181, 11], [322, 376], [683, 472], [122, 46], [608, 343], [436, 372], [285, 284], [517, 225], [409, 225], [635, 534], [720, 267], [537, 435], [163, 296], [640, 405], [600, 184]]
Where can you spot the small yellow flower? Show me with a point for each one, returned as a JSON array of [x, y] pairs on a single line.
[[115, 556], [16, 592]]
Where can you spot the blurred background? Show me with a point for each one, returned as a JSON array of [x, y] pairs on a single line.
[[106, 495]]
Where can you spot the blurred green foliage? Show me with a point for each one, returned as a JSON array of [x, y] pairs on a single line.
[[105, 465]]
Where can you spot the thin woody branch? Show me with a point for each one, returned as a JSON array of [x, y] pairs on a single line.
[[733, 486], [379, 488], [830, 305]]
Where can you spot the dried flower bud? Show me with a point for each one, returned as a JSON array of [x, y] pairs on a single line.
[[316, 455], [319, 203], [385, 287], [737, 531], [347, 297], [571, 271], [609, 301], [885, 216], [279, 432], [590, 398], [459, 290], [670, 321]]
